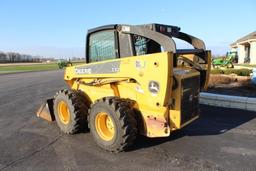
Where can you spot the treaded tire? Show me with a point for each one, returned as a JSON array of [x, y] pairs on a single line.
[[123, 117], [77, 108], [230, 65]]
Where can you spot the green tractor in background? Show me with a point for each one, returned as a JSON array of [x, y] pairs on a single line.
[[226, 61], [64, 63]]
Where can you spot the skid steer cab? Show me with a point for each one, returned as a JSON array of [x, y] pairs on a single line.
[[134, 81]]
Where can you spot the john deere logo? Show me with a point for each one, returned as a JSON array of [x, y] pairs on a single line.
[[153, 87]]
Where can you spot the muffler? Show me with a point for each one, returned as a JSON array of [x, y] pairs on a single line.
[[46, 111]]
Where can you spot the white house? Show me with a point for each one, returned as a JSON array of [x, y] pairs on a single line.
[[246, 48]]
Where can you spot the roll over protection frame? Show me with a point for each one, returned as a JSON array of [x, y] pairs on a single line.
[[152, 31], [165, 41]]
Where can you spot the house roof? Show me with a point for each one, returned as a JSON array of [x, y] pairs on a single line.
[[245, 38]]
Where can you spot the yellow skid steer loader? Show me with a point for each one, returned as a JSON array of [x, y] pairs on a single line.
[[135, 81]]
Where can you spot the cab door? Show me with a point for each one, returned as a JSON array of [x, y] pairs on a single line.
[[101, 46]]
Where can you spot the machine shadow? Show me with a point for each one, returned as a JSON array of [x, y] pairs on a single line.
[[212, 121]]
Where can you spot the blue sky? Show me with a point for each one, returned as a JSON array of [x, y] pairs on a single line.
[[57, 28]]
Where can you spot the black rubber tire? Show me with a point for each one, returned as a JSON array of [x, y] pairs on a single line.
[[230, 65], [84, 98], [122, 114], [78, 111]]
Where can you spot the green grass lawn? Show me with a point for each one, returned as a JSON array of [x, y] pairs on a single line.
[[32, 67]]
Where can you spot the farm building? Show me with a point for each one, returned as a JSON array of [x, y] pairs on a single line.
[[246, 48]]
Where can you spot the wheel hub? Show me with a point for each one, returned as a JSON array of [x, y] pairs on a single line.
[[63, 112], [105, 126]]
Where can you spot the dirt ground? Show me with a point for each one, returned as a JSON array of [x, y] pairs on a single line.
[[231, 85]]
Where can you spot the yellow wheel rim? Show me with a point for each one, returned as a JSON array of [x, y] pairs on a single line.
[[63, 112], [105, 126]]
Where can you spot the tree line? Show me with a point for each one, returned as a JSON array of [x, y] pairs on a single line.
[[12, 57]]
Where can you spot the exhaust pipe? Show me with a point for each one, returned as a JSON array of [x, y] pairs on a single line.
[[46, 111]]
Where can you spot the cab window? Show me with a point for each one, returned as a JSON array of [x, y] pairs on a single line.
[[143, 46], [102, 46]]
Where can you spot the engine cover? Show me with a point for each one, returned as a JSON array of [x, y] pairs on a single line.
[[184, 105]]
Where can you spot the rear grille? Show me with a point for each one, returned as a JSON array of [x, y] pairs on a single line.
[[190, 98]]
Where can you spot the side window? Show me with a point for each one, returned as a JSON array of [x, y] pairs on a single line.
[[102, 46], [143, 46], [140, 45]]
